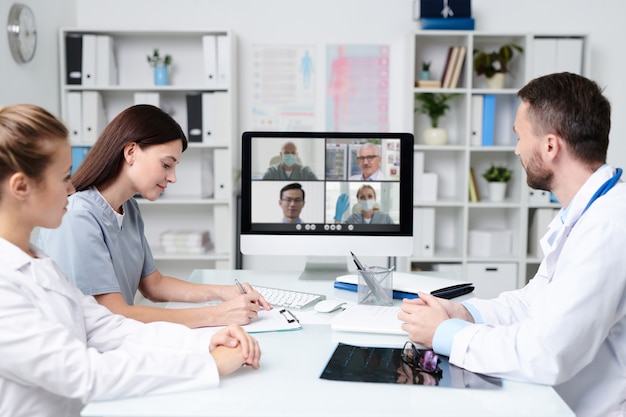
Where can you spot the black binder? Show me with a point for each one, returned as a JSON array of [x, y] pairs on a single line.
[[194, 117], [73, 58]]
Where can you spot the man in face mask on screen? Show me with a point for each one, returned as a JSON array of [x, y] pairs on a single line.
[[289, 168]]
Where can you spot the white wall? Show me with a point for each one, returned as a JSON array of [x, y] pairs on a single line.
[[37, 81], [281, 22]]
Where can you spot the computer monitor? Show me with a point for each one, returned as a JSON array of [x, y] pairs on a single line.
[[322, 168]]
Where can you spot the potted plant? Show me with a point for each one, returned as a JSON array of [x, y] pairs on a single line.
[[497, 176], [434, 105], [425, 74], [495, 64], [160, 64]]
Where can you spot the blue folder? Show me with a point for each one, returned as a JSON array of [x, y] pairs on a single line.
[[446, 292]]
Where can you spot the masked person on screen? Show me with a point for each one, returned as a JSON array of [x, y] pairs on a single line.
[[61, 349], [291, 202], [288, 168], [567, 326], [367, 212], [101, 245], [369, 163]]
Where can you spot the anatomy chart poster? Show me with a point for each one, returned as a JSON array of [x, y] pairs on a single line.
[[357, 88]]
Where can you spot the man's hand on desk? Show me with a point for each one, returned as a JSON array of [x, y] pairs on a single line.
[[232, 347], [422, 316]]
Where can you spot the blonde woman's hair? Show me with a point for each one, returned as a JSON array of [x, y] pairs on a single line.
[[27, 136]]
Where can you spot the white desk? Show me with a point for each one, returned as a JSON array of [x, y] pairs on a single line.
[[288, 383]]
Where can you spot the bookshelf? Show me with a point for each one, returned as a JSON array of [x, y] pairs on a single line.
[[482, 241], [204, 67]]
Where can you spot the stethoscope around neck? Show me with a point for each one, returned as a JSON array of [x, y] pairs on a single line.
[[604, 188], [551, 247]]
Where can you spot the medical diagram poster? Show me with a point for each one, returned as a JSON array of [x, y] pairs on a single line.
[[284, 87], [357, 88]]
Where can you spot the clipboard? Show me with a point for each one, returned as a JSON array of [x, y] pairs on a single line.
[[278, 319]]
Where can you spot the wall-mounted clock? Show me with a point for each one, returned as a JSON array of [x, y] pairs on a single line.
[[22, 32]]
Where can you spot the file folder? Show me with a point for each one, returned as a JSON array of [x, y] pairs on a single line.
[[194, 117], [89, 60], [73, 58], [209, 46], [406, 285]]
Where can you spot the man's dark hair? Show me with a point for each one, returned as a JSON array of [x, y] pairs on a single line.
[[292, 186], [572, 107]]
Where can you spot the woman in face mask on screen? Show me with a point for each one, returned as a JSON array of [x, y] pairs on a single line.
[[368, 210]]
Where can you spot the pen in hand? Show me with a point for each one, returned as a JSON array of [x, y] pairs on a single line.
[[241, 287]]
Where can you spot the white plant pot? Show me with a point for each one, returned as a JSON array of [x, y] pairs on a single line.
[[497, 191], [497, 81], [435, 136]]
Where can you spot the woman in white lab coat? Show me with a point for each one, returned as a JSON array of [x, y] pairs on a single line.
[[59, 348], [567, 327]]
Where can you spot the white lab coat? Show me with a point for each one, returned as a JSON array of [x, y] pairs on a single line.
[[567, 327], [60, 349]]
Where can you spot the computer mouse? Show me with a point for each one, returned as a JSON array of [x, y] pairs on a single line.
[[328, 306]]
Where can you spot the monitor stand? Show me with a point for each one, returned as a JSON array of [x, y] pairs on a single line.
[[324, 268]]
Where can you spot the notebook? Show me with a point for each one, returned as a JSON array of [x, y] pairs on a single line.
[[368, 319]]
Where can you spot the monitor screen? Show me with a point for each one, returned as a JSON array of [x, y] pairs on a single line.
[[324, 194]]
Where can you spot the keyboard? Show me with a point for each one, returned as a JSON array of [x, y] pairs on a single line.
[[288, 298]]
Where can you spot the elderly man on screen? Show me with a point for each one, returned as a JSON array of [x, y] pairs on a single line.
[[369, 162]]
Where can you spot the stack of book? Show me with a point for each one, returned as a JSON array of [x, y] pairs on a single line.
[[453, 66], [185, 241]]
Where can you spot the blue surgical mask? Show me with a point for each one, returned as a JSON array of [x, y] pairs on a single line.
[[367, 205], [289, 159]]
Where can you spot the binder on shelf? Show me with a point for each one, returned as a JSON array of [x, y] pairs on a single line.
[[489, 119], [554, 54], [75, 116], [458, 65], [73, 58], [538, 196], [223, 233], [194, 117], [78, 156], [106, 66], [541, 219], [215, 120], [209, 46], [423, 232], [207, 182], [94, 117], [478, 102], [222, 173], [89, 60], [223, 61]]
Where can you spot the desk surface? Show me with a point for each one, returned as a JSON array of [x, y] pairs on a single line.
[[288, 383]]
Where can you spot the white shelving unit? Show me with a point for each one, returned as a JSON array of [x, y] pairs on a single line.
[[454, 215], [208, 164]]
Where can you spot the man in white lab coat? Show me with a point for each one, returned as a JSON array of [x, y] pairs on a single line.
[[567, 326]]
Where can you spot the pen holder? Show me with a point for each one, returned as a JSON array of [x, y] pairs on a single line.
[[375, 286]]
